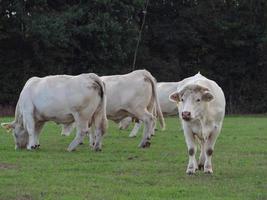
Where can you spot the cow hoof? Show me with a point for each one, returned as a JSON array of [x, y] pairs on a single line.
[[27, 147], [208, 171], [33, 147], [200, 166], [145, 145], [97, 149], [70, 149], [190, 172], [81, 143]]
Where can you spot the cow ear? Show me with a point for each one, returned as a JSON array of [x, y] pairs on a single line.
[[207, 96], [174, 97], [8, 126]]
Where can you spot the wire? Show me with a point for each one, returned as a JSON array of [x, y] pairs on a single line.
[[140, 35]]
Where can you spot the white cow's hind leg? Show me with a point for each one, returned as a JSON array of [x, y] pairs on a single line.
[[136, 128], [100, 124], [91, 137], [98, 140], [153, 126], [192, 150]]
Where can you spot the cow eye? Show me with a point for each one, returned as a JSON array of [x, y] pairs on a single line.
[[198, 100], [182, 99]]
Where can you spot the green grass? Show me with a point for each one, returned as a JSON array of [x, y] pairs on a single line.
[[123, 171]]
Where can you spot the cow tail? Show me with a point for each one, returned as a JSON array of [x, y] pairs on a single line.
[[156, 99]]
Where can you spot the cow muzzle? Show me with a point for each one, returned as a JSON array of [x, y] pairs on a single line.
[[186, 116]]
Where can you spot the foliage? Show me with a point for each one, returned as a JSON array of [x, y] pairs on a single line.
[[224, 40]]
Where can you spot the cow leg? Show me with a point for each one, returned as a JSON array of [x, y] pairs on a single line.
[[152, 109], [209, 148], [100, 124], [38, 128], [136, 128], [82, 129], [202, 156], [153, 126], [91, 137], [147, 118], [98, 140], [67, 129], [125, 123], [30, 127], [192, 150]]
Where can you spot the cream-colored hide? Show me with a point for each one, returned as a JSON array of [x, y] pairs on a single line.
[[201, 110], [62, 99], [168, 107]]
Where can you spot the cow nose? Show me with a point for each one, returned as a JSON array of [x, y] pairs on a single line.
[[186, 115]]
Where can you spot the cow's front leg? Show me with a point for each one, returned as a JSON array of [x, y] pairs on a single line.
[[147, 118], [202, 156], [209, 148], [38, 129], [32, 139], [125, 123], [30, 127], [136, 128], [82, 129], [192, 150], [67, 129]]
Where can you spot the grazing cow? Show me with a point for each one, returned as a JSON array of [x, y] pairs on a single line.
[[133, 95], [201, 109], [62, 99], [168, 108]]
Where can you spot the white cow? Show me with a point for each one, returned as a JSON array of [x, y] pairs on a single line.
[[133, 95], [168, 108], [63, 99], [201, 109]]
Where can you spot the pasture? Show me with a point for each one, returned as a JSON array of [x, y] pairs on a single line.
[[123, 171]]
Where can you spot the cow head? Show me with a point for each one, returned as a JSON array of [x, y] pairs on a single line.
[[192, 101], [19, 133]]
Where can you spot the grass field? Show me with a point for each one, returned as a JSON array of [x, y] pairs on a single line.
[[123, 171]]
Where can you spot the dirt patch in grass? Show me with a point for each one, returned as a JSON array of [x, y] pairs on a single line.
[[7, 166], [24, 197]]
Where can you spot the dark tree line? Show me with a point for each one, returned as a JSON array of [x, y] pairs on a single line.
[[226, 40]]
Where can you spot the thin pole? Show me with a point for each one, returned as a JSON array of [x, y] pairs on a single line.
[[140, 34]]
